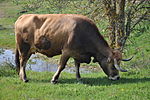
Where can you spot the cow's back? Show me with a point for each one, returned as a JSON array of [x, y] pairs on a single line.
[[47, 24]]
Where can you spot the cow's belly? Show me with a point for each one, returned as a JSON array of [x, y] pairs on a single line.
[[83, 59], [50, 52]]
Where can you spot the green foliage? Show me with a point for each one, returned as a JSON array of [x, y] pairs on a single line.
[[6, 70], [43, 6], [141, 28], [138, 45]]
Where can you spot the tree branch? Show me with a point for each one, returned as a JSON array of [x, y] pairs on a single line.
[[140, 19]]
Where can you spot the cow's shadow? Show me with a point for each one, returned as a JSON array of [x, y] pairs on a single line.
[[101, 81], [104, 81]]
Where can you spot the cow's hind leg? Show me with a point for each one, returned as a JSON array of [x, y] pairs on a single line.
[[23, 61], [23, 49], [17, 61], [63, 60], [78, 76]]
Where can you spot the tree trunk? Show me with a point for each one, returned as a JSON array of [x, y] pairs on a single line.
[[115, 12], [120, 23], [110, 11]]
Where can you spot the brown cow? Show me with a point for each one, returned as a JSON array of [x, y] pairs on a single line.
[[70, 35]]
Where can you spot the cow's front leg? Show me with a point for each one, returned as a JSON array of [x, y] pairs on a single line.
[[78, 76], [63, 60]]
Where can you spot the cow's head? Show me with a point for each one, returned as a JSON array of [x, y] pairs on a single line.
[[111, 64]]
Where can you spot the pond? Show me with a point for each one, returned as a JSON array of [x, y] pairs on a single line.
[[36, 63]]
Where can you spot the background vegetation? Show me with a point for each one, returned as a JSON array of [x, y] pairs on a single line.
[[134, 85]]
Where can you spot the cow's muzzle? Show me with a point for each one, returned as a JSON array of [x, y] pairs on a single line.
[[117, 77]]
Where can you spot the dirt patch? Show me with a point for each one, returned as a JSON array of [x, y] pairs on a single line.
[[2, 15]]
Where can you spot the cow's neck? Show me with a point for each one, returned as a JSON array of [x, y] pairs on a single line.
[[104, 53]]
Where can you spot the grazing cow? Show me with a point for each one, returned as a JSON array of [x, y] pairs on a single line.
[[70, 35]]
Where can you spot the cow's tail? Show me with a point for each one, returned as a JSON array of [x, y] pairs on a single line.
[[17, 61]]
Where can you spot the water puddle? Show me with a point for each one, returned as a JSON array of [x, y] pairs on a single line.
[[35, 63]]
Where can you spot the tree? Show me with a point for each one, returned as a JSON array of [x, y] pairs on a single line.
[[123, 16]]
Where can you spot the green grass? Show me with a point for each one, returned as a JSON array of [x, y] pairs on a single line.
[[7, 39], [9, 9], [133, 85]]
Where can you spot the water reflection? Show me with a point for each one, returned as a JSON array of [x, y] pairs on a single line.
[[35, 63]]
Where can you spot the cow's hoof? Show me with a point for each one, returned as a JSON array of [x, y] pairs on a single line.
[[54, 81], [25, 81]]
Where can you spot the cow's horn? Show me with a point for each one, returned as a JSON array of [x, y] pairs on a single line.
[[127, 59], [118, 67]]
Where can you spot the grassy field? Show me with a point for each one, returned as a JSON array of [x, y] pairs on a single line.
[[133, 85], [8, 15]]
